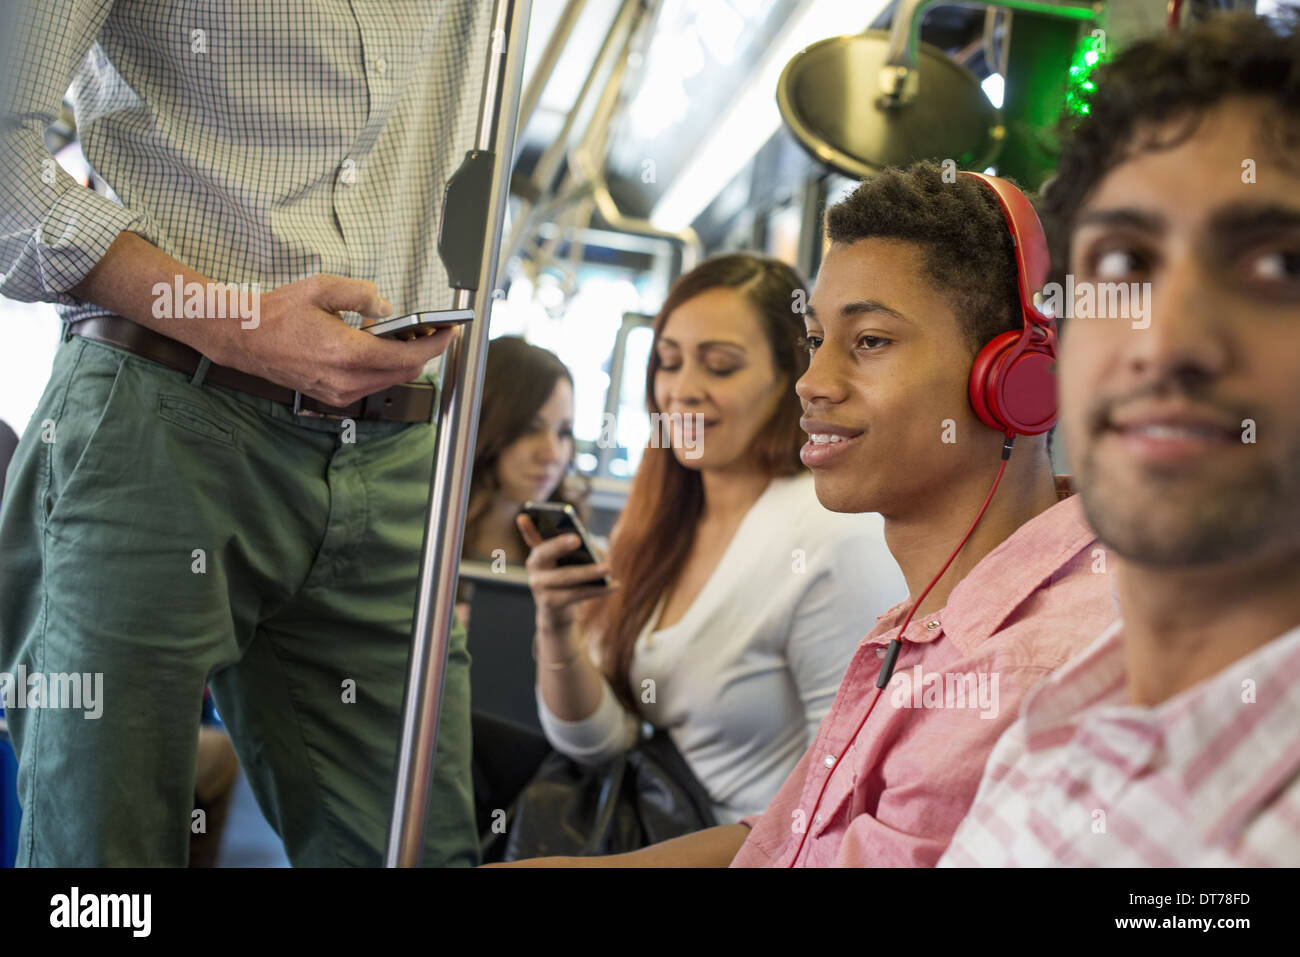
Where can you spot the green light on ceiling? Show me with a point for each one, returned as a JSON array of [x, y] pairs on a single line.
[[1090, 51]]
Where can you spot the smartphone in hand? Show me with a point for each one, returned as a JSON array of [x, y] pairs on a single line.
[[557, 518], [419, 323]]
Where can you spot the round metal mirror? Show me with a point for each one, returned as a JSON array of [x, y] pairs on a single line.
[[830, 97]]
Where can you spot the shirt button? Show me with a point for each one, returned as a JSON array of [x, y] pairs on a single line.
[[932, 625], [817, 819], [381, 66], [880, 652], [829, 761]]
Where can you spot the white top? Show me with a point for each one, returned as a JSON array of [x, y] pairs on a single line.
[[744, 679]]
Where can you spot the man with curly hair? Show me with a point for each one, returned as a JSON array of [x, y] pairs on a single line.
[[1171, 741]]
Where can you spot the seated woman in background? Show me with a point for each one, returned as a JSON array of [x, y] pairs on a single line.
[[524, 446], [738, 600], [523, 452]]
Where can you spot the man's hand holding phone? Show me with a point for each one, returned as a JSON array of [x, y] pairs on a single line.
[[297, 339]]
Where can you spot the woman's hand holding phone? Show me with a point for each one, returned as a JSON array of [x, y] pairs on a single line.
[[557, 589]]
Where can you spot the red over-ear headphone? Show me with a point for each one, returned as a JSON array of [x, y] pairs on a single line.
[[1013, 383]]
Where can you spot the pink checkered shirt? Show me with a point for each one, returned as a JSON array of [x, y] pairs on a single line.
[[898, 790], [1209, 778]]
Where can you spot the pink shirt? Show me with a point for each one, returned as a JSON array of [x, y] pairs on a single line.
[[1209, 778], [898, 790]]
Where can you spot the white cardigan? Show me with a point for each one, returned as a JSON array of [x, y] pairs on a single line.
[[744, 679]]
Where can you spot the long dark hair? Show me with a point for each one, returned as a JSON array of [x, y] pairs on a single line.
[[518, 379], [645, 550]]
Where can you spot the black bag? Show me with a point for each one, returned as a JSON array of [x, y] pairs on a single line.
[[645, 796]]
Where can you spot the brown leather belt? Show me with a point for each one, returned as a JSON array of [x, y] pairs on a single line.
[[412, 402]]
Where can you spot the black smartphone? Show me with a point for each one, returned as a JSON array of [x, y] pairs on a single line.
[[419, 323], [557, 518]]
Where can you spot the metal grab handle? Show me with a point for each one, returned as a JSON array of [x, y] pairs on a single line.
[[898, 78], [585, 182], [462, 380]]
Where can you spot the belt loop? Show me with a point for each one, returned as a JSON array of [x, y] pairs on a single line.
[[201, 372], [67, 331]]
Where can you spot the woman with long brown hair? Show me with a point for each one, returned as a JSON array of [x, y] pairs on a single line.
[[524, 447], [523, 452], [737, 600]]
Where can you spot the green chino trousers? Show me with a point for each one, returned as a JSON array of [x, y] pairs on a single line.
[[166, 534]]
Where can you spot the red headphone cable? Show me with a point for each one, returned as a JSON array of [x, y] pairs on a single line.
[[896, 644]]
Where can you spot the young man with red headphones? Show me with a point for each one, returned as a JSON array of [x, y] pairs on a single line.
[[1174, 739], [927, 399]]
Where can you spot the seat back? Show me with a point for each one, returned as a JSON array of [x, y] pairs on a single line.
[[502, 673]]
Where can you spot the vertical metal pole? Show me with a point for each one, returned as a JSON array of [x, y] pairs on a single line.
[[532, 94], [462, 379]]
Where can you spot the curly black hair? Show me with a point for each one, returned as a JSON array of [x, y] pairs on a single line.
[[1173, 79], [960, 228]]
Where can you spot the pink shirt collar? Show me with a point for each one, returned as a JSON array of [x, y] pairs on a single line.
[[1003, 579]]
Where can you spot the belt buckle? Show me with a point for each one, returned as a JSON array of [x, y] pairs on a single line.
[[299, 410]]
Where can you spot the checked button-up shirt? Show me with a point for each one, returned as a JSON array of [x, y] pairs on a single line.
[[254, 140], [1209, 778]]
